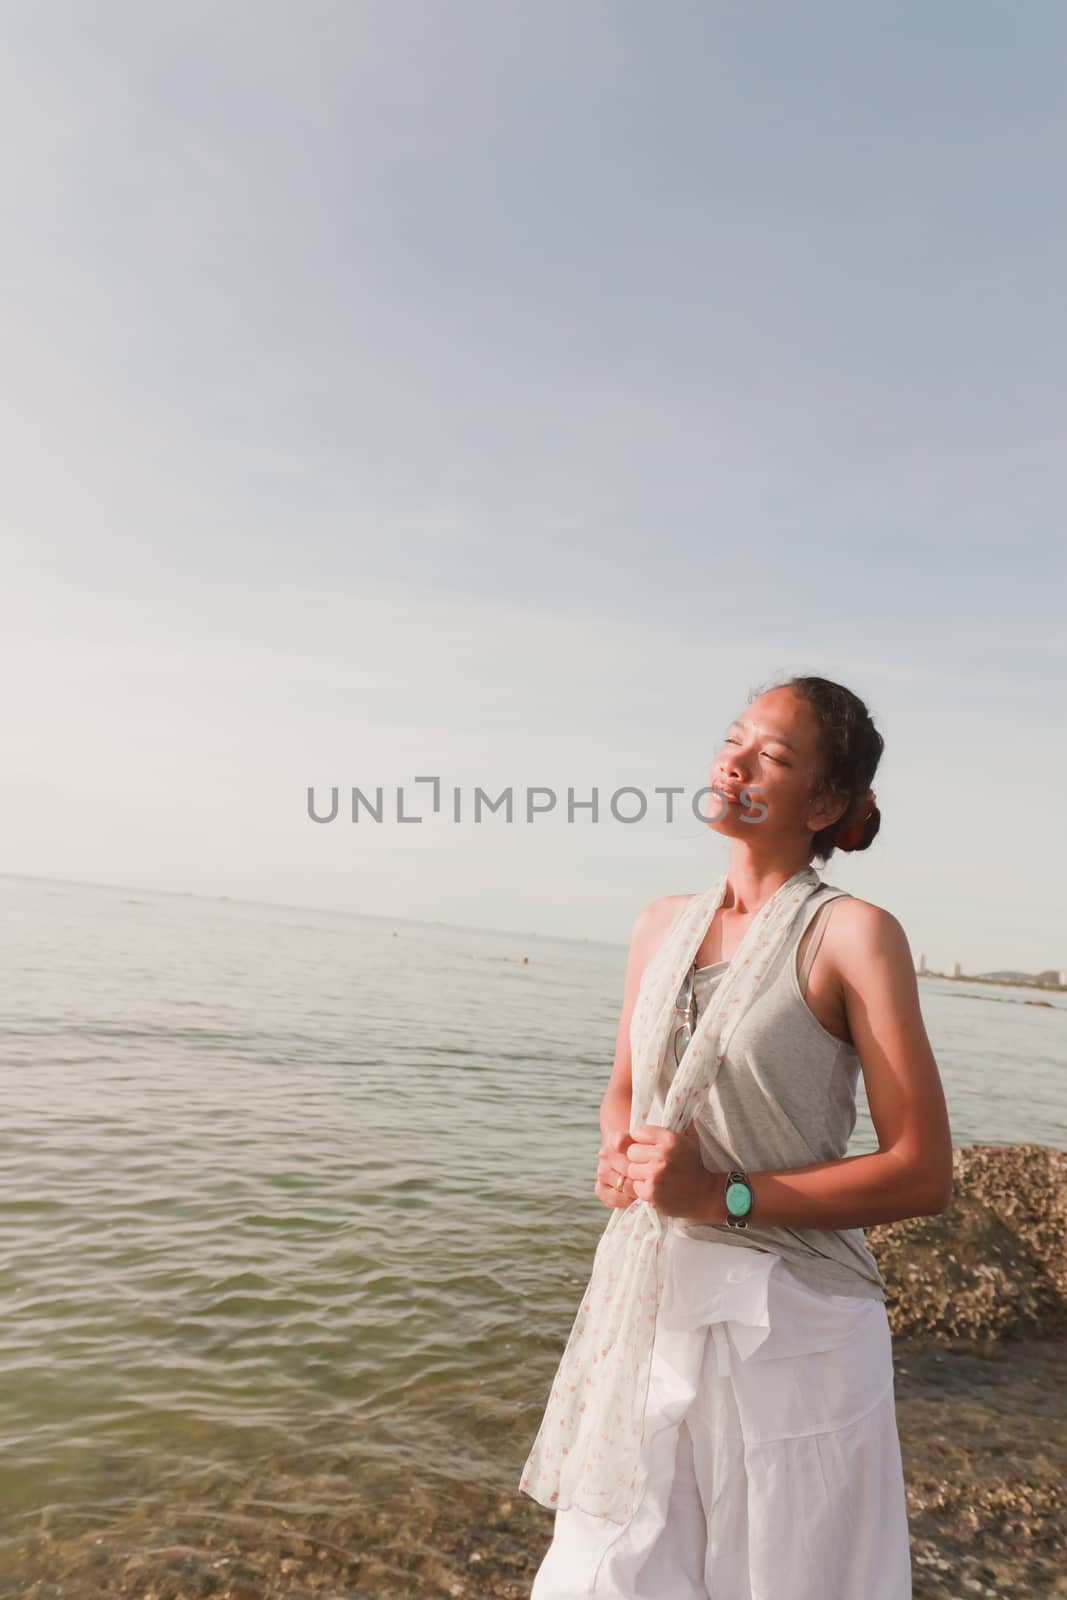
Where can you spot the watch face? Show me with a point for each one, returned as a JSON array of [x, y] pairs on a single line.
[[738, 1199]]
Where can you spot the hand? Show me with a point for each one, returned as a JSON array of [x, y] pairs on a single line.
[[612, 1164], [667, 1169]]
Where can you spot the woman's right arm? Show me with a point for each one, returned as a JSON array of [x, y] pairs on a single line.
[[650, 927]]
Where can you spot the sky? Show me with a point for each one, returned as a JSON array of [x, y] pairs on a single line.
[[503, 393]]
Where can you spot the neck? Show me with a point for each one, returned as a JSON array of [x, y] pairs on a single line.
[[750, 882]]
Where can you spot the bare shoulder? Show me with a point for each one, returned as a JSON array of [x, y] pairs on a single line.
[[860, 932], [654, 920], [667, 907]]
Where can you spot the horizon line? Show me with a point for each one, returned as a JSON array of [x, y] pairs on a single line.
[[326, 911]]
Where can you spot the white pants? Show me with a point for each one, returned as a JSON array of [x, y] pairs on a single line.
[[774, 1474]]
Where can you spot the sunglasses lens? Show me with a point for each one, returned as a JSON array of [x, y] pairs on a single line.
[[681, 1043]]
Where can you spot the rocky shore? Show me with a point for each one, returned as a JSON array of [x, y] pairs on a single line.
[[978, 1308], [994, 1266]]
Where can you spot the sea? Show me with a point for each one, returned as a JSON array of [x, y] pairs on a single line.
[[296, 1208]]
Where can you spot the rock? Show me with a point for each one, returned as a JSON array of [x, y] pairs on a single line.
[[994, 1265]]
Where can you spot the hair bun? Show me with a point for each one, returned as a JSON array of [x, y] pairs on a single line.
[[851, 830]]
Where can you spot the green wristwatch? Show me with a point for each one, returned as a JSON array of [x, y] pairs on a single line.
[[738, 1199]]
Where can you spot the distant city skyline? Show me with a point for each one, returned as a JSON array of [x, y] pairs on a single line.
[[1053, 977]]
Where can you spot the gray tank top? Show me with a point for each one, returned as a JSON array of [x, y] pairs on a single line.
[[784, 1096]]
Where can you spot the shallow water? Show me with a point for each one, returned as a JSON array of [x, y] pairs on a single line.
[[296, 1210]]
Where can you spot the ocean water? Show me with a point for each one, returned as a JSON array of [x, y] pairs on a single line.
[[296, 1207]]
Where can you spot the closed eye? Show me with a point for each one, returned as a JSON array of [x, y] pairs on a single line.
[[766, 753]]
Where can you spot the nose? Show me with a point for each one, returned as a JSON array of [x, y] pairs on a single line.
[[730, 764]]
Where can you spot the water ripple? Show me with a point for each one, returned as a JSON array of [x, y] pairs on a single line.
[[255, 1220]]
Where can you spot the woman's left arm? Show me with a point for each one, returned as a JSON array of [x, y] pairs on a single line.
[[910, 1174]]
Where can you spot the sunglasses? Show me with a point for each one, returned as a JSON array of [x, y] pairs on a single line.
[[685, 1009]]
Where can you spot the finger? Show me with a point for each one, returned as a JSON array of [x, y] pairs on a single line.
[[611, 1196]]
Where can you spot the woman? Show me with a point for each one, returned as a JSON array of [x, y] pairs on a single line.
[[763, 1441]]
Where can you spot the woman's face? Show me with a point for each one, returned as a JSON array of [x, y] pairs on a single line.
[[769, 758]]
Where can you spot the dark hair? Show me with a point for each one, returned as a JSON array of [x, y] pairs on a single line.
[[850, 748]]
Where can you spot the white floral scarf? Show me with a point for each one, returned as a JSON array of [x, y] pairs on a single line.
[[587, 1452]]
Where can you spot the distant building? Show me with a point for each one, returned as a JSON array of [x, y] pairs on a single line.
[[921, 968], [956, 972], [1063, 979]]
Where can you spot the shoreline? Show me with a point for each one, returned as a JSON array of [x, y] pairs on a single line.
[[977, 1306], [996, 983], [983, 1443]]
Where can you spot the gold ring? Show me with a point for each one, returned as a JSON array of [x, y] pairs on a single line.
[[621, 1181]]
